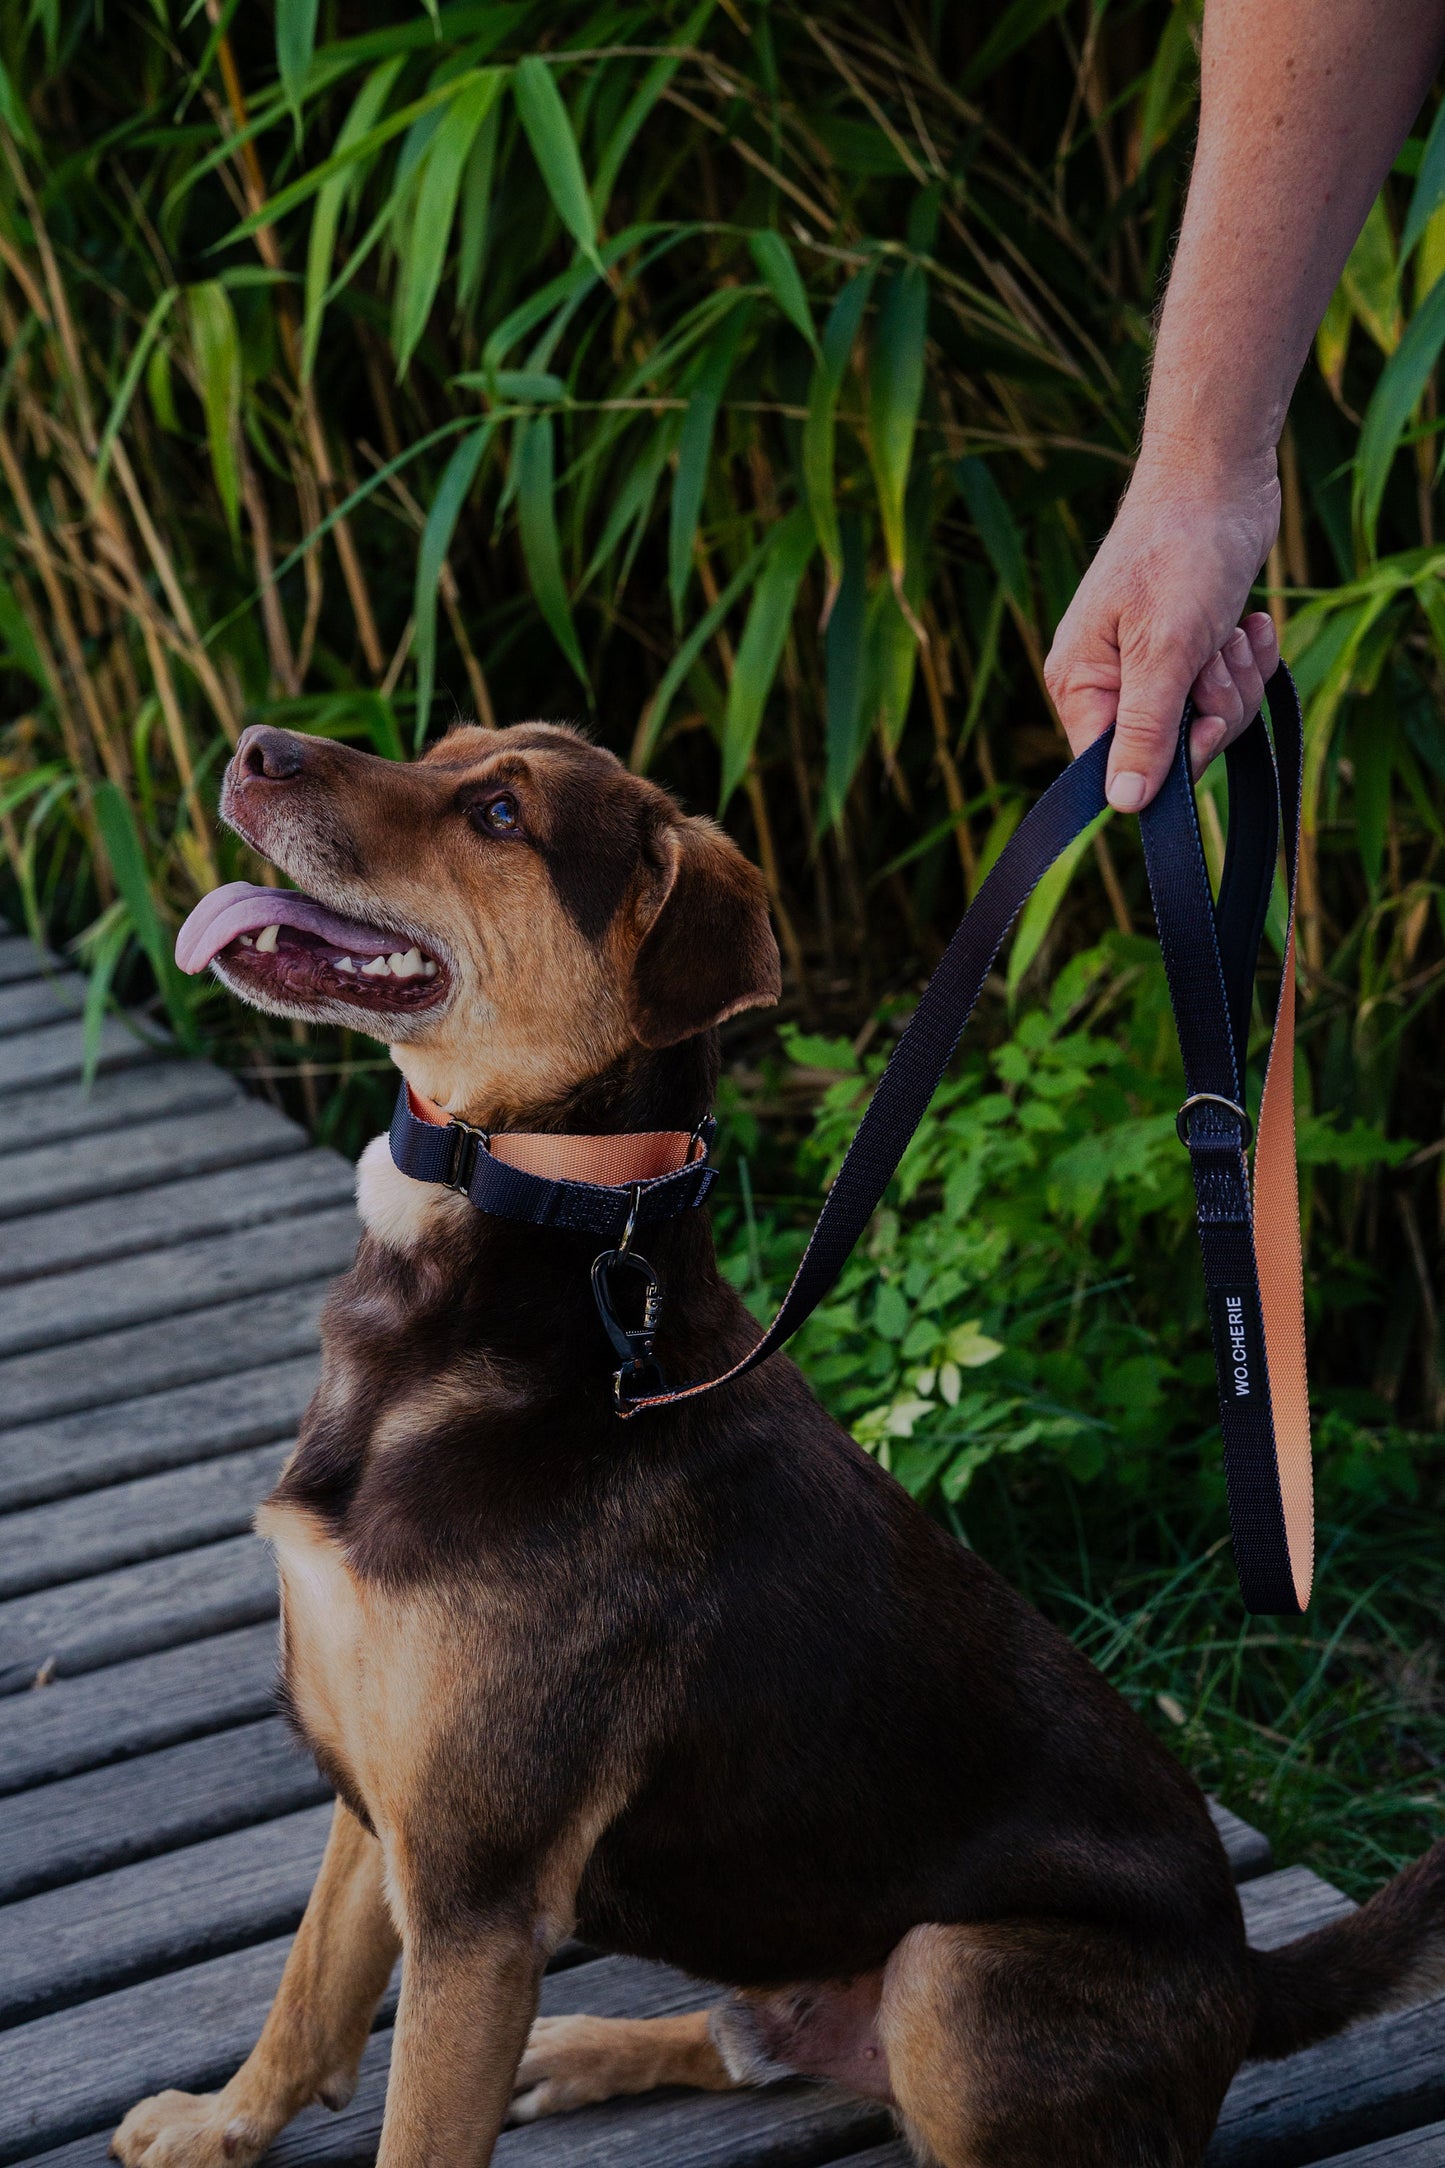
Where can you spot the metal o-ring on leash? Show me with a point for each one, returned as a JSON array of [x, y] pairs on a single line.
[[1211, 1099]]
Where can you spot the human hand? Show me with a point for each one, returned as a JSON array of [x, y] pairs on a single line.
[[1156, 620]]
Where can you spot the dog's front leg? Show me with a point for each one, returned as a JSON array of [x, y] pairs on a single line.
[[468, 1997], [311, 2043]]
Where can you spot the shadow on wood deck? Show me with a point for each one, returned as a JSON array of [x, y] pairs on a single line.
[[158, 1831]]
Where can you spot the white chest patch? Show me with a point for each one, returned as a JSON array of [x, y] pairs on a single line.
[[397, 1210]]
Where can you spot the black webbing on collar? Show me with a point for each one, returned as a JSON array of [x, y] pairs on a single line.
[[1210, 952], [458, 1156]]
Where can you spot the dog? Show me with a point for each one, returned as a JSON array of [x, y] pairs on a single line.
[[705, 1686]]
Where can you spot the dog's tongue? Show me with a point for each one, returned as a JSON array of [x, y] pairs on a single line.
[[241, 907]]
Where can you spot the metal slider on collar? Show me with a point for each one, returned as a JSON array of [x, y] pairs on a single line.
[[466, 1141]]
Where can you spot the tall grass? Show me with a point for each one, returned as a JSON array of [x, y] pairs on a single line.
[[747, 381]]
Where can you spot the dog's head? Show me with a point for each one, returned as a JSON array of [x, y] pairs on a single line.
[[511, 914]]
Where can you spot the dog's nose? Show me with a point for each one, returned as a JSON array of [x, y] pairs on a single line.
[[276, 755]]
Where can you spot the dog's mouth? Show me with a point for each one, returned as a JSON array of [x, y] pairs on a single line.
[[279, 942]]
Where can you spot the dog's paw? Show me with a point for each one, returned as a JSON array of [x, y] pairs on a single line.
[[568, 2063], [187, 2130]]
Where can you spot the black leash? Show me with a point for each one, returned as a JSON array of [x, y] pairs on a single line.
[[1253, 1274]]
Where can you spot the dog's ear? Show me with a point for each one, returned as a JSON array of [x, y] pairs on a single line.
[[708, 950]]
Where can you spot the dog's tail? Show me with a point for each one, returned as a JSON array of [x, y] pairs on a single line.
[[1385, 1956]]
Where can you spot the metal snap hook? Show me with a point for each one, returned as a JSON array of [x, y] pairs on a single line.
[[631, 1227]]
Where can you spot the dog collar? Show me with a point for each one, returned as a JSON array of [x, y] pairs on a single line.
[[605, 1186]]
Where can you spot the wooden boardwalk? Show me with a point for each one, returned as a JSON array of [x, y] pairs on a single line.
[[164, 1246]]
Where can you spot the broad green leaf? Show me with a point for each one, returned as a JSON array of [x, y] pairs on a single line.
[[21, 651], [1430, 255], [820, 431], [321, 241], [441, 182], [216, 351], [1393, 401], [1019, 22], [845, 655], [126, 853], [457, 478], [694, 449], [1371, 278], [476, 220], [995, 527], [780, 275], [295, 43], [1039, 912], [1429, 193], [895, 394], [640, 104], [105, 946], [1332, 340], [760, 650], [532, 461], [1173, 59], [554, 146], [655, 714]]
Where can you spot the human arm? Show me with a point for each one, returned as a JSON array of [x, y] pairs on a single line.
[[1303, 106]]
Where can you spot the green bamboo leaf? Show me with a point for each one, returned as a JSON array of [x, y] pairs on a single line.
[[457, 478], [895, 395], [1017, 24], [532, 464], [891, 664], [640, 104], [150, 332], [1393, 401], [655, 715], [845, 657], [105, 948], [781, 276], [21, 651], [554, 146], [996, 529], [295, 44], [445, 162], [820, 428], [216, 351], [1040, 911], [694, 450], [1371, 278], [331, 202], [1429, 192], [476, 217], [1163, 96], [126, 853], [760, 649]]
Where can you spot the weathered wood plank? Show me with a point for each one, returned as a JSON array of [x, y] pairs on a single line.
[[69, 1453], [1373, 2081], [130, 1522], [100, 1935], [27, 1002], [55, 1053], [1411, 2149], [80, 1237], [96, 1299], [151, 1358], [21, 959], [133, 1708], [87, 1624], [89, 1824], [1293, 1901], [1248, 1848], [154, 1092], [236, 1132]]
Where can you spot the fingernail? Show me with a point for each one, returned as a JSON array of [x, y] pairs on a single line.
[[1206, 738], [1126, 792], [1218, 674], [1237, 644]]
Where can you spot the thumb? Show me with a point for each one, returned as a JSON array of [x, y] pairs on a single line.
[[1152, 694]]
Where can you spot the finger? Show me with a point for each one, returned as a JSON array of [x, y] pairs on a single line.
[[1151, 700], [1214, 692], [1207, 736], [1259, 630], [1237, 655]]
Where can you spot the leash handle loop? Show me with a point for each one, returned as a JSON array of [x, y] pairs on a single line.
[[1250, 1244]]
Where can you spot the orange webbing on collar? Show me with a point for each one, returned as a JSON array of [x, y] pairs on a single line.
[[608, 1162]]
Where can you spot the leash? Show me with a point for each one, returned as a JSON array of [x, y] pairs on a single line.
[[1250, 1242]]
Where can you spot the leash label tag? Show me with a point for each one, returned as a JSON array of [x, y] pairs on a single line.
[[1234, 1314]]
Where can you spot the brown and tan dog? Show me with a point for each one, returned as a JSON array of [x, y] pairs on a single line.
[[705, 1686]]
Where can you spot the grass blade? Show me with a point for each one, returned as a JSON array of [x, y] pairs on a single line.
[[1040, 911], [216, 351], [445, 162], [330, 203], [457, 478], [996, 529], [760, 649], [820, 428], [1395, 397], [295, 44], [1429, 191], [845, 656], [694, 449], [127, 857], [781, 276], [895, 395], [532, 462]]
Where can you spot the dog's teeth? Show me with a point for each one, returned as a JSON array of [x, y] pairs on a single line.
[[378, 968], [266, 940], [344, 963], [247, 941], [408, 966], [429, 969], [398, 965]]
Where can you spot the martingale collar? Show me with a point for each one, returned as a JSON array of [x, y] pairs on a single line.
[[605, 1186]]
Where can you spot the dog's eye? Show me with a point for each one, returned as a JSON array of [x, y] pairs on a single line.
[[498, 816]]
